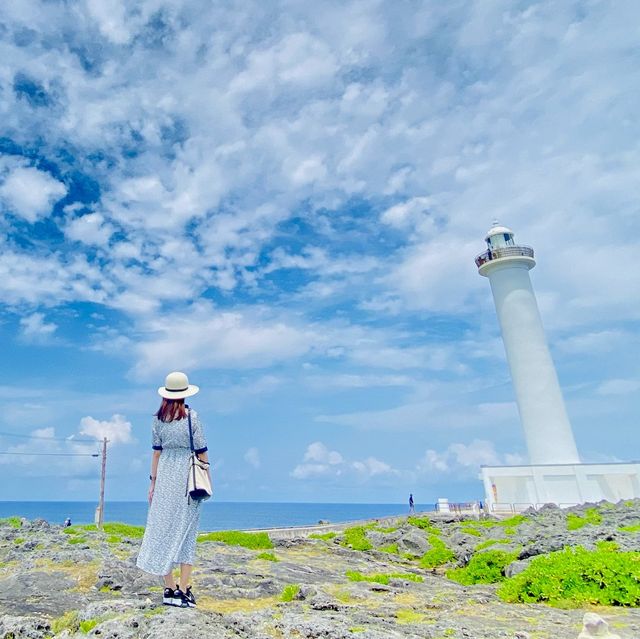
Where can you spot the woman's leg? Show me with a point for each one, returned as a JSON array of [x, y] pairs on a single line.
[[168, 581], [185, 576]]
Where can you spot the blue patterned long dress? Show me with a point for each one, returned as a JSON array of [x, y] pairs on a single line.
[[172, 522]]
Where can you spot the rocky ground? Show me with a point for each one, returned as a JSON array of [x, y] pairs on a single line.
[[84, 583]]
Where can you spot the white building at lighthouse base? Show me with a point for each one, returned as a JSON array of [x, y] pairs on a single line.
[[516, 488]]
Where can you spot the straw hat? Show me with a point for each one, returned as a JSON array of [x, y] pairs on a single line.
[[176, 386]]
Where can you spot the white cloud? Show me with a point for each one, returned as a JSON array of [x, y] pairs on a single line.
[[252, 457], [117, 430], [370, 467], [619, 387], [320, 461], [89, 229], [466, 459], [30, 193], [206, 337], [35, 328]]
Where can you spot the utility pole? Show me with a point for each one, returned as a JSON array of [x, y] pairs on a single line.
[[100, 521]]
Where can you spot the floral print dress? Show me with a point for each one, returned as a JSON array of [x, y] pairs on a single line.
[[172, 521]]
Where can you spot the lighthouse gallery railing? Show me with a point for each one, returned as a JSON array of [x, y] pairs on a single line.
[[506, 251]]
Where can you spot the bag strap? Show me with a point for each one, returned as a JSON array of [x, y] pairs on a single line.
[[190, 431]]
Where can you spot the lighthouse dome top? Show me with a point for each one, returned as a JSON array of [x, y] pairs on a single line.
[[497, 229], [499, 236]]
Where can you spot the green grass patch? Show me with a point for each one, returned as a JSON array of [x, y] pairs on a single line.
[[88, 625], [409, 616], [290, 592], [19, 540], [591, 517], [632, 528], [423, 522], [152, 612], [483, 568], [254, 541], [109, 528], [387, 530], [488, 543], [356, 538], [113, 539], [69, 621], [323, 536], [437, 555], [267, 556], [77, 540], [382, 578], [356, 629], [471, 530], [509, 522], [575, 577], [14, 522], [72, 530], [390, 548]]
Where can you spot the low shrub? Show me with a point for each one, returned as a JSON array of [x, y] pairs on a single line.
[[382, 578], [483, 568], [422, 522], [575, 577], [254, 541], [438, 555], [488, 543], [328, 536], [510, 522], [591, 516], [14, 522], [356, 538], [290, 592]]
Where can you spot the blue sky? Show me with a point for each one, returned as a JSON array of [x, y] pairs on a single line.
[[285, 201]]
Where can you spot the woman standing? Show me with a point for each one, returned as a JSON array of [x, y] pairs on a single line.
[[172, 523]]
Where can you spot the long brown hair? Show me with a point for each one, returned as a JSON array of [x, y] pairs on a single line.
[[171, 410]]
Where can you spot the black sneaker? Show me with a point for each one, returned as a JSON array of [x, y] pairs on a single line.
[[190, 599], [167, 597], [179, 599]]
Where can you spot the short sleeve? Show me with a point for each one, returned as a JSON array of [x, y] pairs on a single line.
[[199, 440], [156, 439]]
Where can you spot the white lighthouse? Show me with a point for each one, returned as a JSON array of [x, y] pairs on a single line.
[[542, 412], [554, 473]]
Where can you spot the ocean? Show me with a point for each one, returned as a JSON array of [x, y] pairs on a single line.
[[215, 515]]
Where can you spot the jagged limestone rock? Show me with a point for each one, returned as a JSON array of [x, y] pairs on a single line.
[[595, 626]]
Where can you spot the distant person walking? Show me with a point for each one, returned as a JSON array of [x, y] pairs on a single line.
[[412, 508], [67, 522], [172, 522]]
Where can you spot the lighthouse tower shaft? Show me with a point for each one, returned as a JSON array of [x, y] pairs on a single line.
[[543, 414]]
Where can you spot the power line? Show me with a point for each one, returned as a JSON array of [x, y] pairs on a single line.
[[57, 439], [2, 452]]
